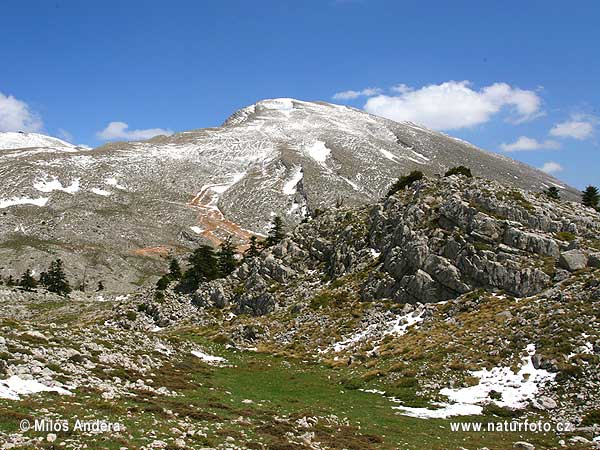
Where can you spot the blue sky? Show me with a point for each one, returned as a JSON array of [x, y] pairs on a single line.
[[487, 72]]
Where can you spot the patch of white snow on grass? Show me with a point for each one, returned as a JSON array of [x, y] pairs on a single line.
[[515, 390], [289, 188], [445, 411], [13, 387], [196, 230], [209, 359], [375, 332]]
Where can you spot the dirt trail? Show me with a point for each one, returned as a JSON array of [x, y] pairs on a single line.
[[211, 221]]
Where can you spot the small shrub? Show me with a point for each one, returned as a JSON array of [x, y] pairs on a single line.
[[405, 181], [131, 315], [495, 410], [565, 236], [591, 418], [459, 170]]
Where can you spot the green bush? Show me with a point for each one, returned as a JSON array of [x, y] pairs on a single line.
[[591, 418], [405, 181], [459, 170]]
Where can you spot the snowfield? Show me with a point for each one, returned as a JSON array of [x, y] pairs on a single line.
[[13, 387]]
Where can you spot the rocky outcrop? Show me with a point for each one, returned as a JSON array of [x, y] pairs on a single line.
[[438, 239], [573, 260]]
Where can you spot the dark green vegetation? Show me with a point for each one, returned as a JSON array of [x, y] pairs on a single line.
[[405, 181], [459, 170], [590, 197], [53, 280], [207, 264], [552, 192]]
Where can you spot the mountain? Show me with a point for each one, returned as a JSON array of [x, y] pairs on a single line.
[[397, 324], [18, 140], [115, 210]]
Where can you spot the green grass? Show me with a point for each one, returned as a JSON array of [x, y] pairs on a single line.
[[256, 401]]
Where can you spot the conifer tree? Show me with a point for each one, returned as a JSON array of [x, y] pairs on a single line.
[[174, 269], [226, 257], [590, 196], [27, 281], [56, 279], [203, 267], [552, 192], [10, 281], [253, 250], [276, 233], [100, 286]]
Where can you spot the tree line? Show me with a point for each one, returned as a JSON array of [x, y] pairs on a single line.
[[53, 280]]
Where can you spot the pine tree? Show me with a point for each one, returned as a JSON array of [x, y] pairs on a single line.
[[203, 267], [27, 281], [100, 286], [10, 281], [56, 279], [552, 192], [226, 257], [590, 197], [253, 250], [163, 282], [276, 233], [174, 269]]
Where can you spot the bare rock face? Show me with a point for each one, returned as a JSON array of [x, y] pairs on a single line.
[[112, 213], [437, 240], [573, 260]]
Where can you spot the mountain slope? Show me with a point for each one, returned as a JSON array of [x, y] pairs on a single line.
[[115, 208], [14, 140]]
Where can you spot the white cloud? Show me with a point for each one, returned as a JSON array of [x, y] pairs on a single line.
[[551, 167], [15, 115], [454, 104], [120, 130], [525, 143], [350, 95], [579, 127]]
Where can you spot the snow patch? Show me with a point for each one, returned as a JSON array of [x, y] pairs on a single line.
[[209, 359], [196, 229], [375, 332], [113, 182], [318, 151], [100, 192], [516, 388], [13, 387], [55, 185], [289, 188], [5, 203], [388, 155]]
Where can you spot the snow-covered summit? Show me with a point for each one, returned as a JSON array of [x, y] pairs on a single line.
[[14, 140]]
